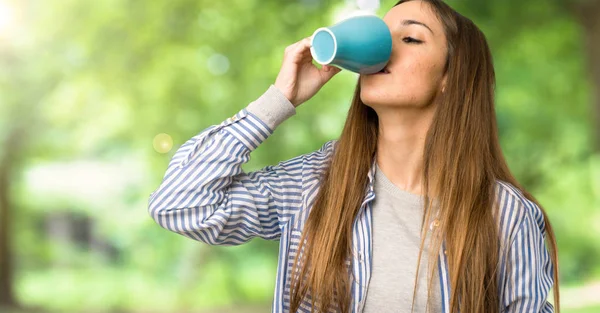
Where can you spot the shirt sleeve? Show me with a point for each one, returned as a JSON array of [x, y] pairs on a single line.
[[205, 195], [529, 269]]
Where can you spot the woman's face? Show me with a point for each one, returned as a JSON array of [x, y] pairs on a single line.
[[416, 66]]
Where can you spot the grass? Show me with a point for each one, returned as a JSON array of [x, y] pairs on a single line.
[[594, 309]]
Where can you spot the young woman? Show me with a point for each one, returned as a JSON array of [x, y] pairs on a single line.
[[416, 178]]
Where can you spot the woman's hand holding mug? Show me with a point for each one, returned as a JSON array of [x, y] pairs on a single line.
[[360, 44], [299, 79]]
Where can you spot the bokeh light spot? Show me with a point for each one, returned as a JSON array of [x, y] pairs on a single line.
[[6, 18], [368, 5], [162, 143], [218, 64]]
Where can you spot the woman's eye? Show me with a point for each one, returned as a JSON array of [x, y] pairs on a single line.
[[411, 40]]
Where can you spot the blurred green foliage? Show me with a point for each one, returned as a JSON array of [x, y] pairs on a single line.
[[88, 85]]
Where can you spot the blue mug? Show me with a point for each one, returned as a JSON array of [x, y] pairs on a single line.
[[361, 44]]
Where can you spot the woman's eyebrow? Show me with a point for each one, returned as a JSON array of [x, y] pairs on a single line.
[[413, 22]]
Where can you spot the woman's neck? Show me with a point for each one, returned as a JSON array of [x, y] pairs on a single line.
[[400, 146]]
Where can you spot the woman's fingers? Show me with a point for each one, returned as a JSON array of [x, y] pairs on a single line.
[[301, 50], [299, 79]]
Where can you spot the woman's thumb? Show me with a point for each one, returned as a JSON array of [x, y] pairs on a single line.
[[329, 71]]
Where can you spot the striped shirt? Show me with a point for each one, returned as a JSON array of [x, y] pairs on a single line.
[[206, 196]]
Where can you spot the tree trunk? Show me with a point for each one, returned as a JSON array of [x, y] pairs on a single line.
[[588, 13], [11, 148]]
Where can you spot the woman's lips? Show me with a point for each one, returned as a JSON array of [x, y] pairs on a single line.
[[383, 71]]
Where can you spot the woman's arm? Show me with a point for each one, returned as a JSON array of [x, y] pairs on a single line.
[[206, 196], [529, 267]]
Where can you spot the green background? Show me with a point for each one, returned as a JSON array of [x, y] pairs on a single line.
[[86, 87]]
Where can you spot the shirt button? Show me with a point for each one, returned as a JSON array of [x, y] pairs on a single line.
[[434, 223], [360, 257], [445, 252]]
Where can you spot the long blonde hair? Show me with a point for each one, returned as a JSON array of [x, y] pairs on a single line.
[[462, 162]]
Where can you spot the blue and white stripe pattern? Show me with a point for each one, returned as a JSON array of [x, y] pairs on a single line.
[[206, 196]]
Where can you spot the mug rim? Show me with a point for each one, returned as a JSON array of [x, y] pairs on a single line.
[[312, 51]]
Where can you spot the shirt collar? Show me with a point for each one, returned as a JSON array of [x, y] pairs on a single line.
[[370, 192]]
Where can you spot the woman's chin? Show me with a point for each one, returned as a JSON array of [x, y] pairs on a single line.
[[372, 97]]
